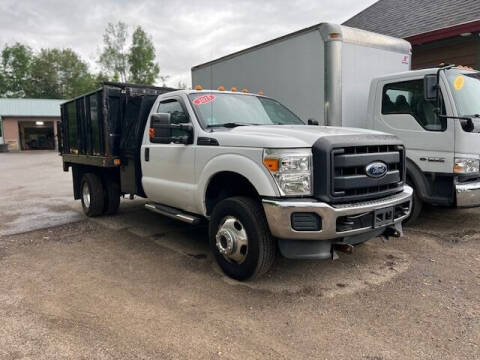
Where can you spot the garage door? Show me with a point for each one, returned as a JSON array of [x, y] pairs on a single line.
[[36, 135]]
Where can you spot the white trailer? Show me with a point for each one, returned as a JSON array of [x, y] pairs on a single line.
[[334, 64]]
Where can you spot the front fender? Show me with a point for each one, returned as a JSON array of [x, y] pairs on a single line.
[[256, 173], [418, 178]]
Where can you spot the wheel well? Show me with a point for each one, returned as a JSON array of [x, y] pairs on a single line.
[[417, 179], [227, 184]]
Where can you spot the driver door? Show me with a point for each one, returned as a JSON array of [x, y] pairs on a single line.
[[168, 169], [403, 112]]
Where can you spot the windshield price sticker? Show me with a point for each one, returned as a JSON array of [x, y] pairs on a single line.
[[205, 99], [459, 82]]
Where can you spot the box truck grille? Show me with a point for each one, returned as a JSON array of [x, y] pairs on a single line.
[[349, 179]]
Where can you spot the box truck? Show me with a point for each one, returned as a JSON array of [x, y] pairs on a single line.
[[244, 163], [341, 76]]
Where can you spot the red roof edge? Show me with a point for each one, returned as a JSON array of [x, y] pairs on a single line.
[[439, 34]]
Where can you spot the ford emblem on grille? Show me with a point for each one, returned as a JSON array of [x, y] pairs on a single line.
[[376, 169]]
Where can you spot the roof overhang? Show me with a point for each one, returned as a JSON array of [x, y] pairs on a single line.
[[444, 33]]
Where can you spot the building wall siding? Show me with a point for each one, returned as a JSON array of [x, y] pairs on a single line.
[[458, 51], [10, 133]]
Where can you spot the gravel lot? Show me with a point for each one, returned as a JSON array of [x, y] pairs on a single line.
[[137, 285]]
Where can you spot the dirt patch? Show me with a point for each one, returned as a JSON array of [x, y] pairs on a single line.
[[452, 237], [347, 275]]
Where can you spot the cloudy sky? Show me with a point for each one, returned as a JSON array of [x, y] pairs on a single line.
[[185, 33]]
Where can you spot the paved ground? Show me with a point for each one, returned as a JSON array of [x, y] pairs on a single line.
[[136, 285]]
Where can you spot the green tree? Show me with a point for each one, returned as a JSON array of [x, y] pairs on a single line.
[[114, 58], [143, 68], [15, 70], [59, 74], [101, 78]]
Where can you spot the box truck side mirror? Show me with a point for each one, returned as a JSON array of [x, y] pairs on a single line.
[[430, 87]]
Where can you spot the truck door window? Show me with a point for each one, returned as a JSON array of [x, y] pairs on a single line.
[[176, 111], [177, 114], [406, 97]]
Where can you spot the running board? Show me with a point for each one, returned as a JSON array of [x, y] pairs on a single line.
[[173, 213]]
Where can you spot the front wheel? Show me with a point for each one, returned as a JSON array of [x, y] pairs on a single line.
[[240, 238]]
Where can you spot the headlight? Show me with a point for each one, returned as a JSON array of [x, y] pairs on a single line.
[[466, 166], [291, 169]]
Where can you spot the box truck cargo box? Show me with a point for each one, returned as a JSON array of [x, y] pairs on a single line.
[[334, 64]]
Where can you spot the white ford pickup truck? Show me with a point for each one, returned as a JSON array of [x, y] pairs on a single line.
[[244, 163]]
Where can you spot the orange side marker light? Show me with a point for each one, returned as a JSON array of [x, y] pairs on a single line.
[[271, 164]]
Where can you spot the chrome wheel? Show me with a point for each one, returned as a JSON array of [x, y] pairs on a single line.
[[232, 240], [86, 195]]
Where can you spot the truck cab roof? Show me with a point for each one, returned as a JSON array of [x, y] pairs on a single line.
[[418, 73], [206, 91]]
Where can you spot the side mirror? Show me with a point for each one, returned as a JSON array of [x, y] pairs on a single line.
[[160, 131], [430, 86]]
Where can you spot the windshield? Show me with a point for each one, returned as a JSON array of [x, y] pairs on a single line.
[[216, 109], [466, 91]]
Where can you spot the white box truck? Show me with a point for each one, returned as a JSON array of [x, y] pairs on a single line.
[[341, 76]]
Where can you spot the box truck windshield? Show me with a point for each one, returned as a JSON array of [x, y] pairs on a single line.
[[466, 91], [219, 109]]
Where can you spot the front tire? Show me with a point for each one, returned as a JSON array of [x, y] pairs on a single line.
[[92, 195], [240, 238]]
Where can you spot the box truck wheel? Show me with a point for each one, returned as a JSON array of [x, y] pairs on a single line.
[[240, 238], [112, 197], [93, 197], [417, 205]]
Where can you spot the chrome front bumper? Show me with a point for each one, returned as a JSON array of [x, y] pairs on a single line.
[[468, 194], [279, 213]]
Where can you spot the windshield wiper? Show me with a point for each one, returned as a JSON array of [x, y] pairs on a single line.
[[230, 125], [470, 123]]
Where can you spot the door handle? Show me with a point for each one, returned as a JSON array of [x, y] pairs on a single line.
[[147, 154]]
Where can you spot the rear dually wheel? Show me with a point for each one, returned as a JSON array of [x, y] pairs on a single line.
[[93, 197]]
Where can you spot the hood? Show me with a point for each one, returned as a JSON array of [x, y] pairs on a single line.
[[284, 136]]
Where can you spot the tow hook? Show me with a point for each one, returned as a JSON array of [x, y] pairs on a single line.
[[393, 231], [344, 248]]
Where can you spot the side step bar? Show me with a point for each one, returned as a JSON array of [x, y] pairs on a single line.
[[173, 213]]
